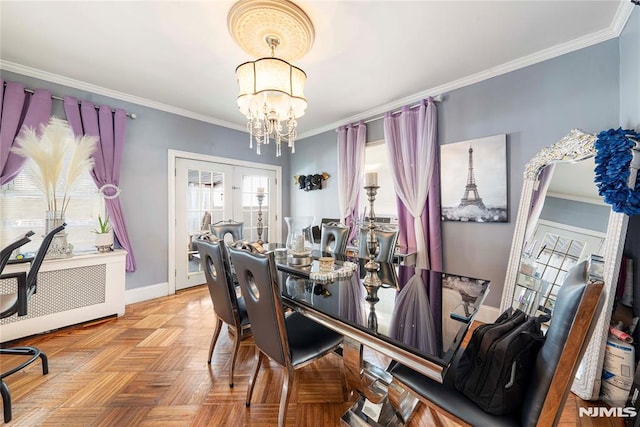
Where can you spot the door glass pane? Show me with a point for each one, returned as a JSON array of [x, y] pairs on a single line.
[[556, 260], [568, 263], [205, 203], [575, 250], [255, 207]]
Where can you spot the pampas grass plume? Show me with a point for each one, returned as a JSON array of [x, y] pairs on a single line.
[[52, 153], [80, 162]]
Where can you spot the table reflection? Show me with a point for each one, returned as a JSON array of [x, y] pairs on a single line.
[[423, 312]]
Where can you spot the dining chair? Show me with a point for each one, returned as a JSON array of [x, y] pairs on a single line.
[[573, 320], [221, 228], [333, 238], [228, 307], [386, 244], [292, 341], [16, 303]]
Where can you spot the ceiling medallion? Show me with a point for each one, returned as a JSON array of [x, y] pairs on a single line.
[[250, 22], [271, 90]]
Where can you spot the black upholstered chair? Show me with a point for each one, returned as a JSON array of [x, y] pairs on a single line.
[[17, 302], [574, 317], [386, 244], [292, 341], [229, 308], [221, 228], [333, 238]]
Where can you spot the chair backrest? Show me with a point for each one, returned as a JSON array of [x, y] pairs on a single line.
[[333, 238], [5, 253], [37, 261], [574, 317], [257, 277], [222, 228], [214, 259], [386, 244], [24, 293]]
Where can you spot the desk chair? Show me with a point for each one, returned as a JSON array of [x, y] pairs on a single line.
[[221, 228], [228, 308], [386, 244], [573, 320], [16, 302], [333, 238], [291, 341]]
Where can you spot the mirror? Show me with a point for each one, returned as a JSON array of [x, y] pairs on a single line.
[[561, 221]]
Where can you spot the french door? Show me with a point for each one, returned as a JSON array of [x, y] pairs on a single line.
[[209, 192]]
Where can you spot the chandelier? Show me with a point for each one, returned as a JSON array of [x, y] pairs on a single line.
[[271, 90]]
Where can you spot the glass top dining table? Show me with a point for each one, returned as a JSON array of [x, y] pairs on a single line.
[[416, 317]]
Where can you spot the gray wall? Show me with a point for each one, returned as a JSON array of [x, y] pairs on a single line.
[[535, 107], [313, 155], [578, 214], [630, 72], [144, 179]]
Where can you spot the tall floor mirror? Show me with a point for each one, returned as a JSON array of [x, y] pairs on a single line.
[[561, 221]]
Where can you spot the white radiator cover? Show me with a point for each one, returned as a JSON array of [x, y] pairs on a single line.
[[70, 291]]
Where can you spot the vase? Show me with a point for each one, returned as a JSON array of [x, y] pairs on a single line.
[[59, 247], [299, 240]]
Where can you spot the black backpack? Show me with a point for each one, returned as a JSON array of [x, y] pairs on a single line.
[[496, 366]]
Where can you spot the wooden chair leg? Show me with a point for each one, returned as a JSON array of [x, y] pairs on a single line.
[[286, 394], [216, 333], [254, 376], [234, 356]]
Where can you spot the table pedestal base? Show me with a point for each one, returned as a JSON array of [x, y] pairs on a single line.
[[381, 401]]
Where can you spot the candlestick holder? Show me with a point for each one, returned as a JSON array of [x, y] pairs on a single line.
[[372, 318], [372, 267], [259, 226]]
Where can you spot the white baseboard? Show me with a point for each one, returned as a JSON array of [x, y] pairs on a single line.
[[146, 293], [487, 314]]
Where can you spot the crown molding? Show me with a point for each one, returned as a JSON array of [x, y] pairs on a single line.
[[615, 29], [622, 16], [77, 84]]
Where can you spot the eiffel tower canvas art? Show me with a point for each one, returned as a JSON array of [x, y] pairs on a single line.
[[471, 196], [470, 169]]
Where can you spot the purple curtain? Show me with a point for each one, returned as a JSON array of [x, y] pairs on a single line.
[[109, 127], [537, 202], [351, 143], [411, 139], [19, 109]]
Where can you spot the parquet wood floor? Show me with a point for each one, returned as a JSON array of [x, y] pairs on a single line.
[[149, 368]]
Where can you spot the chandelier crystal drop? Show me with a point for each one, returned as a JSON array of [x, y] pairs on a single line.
[[271, 96]]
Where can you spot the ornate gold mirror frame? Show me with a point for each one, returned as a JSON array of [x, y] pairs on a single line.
[[575, 146]]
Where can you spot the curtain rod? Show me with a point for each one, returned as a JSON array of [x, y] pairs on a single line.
[[437, 98], [130, 115]]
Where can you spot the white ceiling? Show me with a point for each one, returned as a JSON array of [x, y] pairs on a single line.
[[575, 181], [368, 56]]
